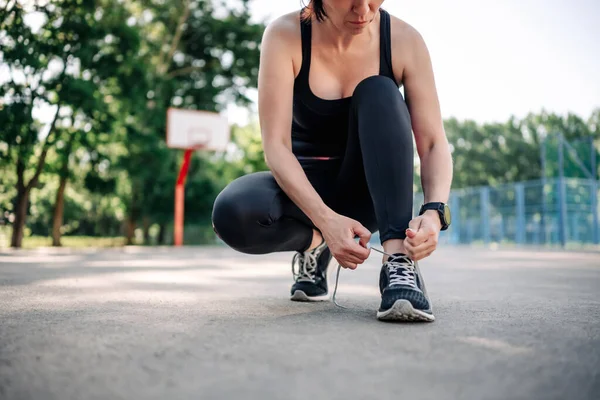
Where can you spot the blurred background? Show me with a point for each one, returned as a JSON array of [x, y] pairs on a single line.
[[85, 86]]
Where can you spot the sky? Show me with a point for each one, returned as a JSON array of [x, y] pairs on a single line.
[[497, 58]]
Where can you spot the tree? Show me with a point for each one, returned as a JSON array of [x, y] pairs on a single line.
[[196, 60], [494, 153], [68, 63]]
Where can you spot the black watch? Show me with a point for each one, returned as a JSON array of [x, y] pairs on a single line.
[[443, 211]]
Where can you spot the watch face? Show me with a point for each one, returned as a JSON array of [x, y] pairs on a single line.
[[447, 215]]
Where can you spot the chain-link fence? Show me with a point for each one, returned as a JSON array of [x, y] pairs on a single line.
[[542, 212]]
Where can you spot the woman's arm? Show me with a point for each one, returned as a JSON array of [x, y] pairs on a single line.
[[423, 104], [275, 92], [430, 137]]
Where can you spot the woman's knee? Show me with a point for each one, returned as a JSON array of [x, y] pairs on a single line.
[[374, 85], [239, 210], [379, 92], [377, 102]]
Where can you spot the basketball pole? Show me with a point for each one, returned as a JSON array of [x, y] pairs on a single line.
[[180, 196]]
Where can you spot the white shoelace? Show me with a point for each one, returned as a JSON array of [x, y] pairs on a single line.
[[307, 267], [401, 273]]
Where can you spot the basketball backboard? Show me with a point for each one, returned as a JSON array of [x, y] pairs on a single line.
[[192, 129]]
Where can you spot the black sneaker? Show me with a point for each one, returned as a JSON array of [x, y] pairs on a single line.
[[311, 278], [403, 293]]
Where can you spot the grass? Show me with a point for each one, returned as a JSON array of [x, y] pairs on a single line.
[[193, 236], [74, 241], [32, 242]]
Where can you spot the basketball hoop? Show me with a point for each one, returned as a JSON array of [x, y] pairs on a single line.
[[192, 130]]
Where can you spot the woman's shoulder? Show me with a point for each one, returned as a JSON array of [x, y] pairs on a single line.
[[407, 45], [285, 28], [403, 33], [282, 37]]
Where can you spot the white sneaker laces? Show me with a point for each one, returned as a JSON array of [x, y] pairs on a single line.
[[307, 267], [402, 272], [401, 269]]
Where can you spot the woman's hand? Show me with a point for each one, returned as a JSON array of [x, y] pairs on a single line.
[[339, 232], [422, 235]]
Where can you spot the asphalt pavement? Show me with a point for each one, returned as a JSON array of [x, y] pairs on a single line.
[[211, 323]]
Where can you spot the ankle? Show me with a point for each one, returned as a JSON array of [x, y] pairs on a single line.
[[393, 246], [316, 240]]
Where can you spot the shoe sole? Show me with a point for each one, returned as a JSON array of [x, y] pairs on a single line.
[[299, 295], [402, 310]]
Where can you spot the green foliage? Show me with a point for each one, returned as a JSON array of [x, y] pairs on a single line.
[[66, 55], [489, 154], [110, 69], [195, 60]]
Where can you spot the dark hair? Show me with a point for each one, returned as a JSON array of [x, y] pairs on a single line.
[[314, 7]]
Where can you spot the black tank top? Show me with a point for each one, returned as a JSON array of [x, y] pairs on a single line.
[[319, 126]]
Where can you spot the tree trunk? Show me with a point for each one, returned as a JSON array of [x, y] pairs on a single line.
[[161, 234], [132, 218], [23, 189], [59, 204], [59, 207], [146, 227], [130, 231], [21, 206]]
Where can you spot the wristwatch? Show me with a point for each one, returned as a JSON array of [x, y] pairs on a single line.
[[443, 211]]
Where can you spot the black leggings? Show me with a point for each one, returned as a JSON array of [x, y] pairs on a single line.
[[372, 183]]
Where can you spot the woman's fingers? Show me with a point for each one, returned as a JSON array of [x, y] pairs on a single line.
[[363, 233], [351, 255], [349, 265], [349, 258], [422, 255], [421, 251]]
